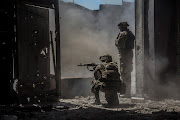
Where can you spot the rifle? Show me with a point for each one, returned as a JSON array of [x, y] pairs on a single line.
[[89, 65]]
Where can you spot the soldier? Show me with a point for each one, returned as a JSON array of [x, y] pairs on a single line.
[[125, 44], [106, 79]]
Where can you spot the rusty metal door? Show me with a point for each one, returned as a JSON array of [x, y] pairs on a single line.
[[33, 49]]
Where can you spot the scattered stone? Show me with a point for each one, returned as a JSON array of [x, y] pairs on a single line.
[[137, 100]]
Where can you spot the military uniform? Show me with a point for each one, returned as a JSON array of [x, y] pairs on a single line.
[[125, 43], [104, 84]]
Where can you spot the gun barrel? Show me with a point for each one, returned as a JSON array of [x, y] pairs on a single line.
[[89, 64], [79, 65]]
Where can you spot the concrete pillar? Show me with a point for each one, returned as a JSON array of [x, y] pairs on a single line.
[[58, 50], [151, 36], [151, 65], [139, 32]]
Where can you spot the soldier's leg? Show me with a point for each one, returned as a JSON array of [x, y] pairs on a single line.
[[112, 98], [125, 70], [95, 90], [128, 69], [127, 81], [97, 100], [122, 65], [122, 60]]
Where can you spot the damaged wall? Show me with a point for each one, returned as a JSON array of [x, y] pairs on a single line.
[[86, 34]]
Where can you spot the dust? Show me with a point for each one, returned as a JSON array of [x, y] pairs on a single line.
[[87, 34]]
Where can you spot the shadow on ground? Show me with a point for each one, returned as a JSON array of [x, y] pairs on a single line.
[[74, 112], [119, 106]]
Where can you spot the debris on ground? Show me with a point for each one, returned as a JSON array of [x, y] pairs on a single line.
[[81, 108]]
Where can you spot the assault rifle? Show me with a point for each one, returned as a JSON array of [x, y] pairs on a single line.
[[93, 65]]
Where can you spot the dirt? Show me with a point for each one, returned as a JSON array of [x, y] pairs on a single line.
[[82, 108]]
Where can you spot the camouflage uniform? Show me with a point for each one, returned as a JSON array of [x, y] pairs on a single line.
[[108, 86], [125, 43]]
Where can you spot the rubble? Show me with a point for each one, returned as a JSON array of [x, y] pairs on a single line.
[[81, 108], [137, 100]]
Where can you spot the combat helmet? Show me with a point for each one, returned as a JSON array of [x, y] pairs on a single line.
[[105, 58], [123, 24]]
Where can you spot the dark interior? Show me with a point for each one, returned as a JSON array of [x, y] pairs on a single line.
[[7, 50], [166, 34]]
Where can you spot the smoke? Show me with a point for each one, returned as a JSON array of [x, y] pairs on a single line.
[[159, 81], [76, 87], [86, 35]]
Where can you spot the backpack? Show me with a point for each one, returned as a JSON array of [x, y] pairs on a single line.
[[130, 41], [110, 71]]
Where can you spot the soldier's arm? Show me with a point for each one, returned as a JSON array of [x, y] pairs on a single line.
[[97, 70], [117, 40], [98, 67]]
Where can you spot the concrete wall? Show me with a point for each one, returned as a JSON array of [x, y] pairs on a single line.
[[157, 41], [139, 26]]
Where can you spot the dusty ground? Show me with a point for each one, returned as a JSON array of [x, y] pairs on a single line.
[[81, 108]]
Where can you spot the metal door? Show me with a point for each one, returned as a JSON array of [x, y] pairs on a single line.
[[33, 49]]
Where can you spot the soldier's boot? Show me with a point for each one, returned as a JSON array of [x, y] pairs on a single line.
[[97, 100], [112, 99], [128, 87]]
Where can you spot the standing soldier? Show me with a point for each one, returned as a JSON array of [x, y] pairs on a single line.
[[125, 44]]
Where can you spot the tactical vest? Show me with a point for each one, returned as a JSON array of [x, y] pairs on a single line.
[[122, 40], [125, 40], [110, 71]]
